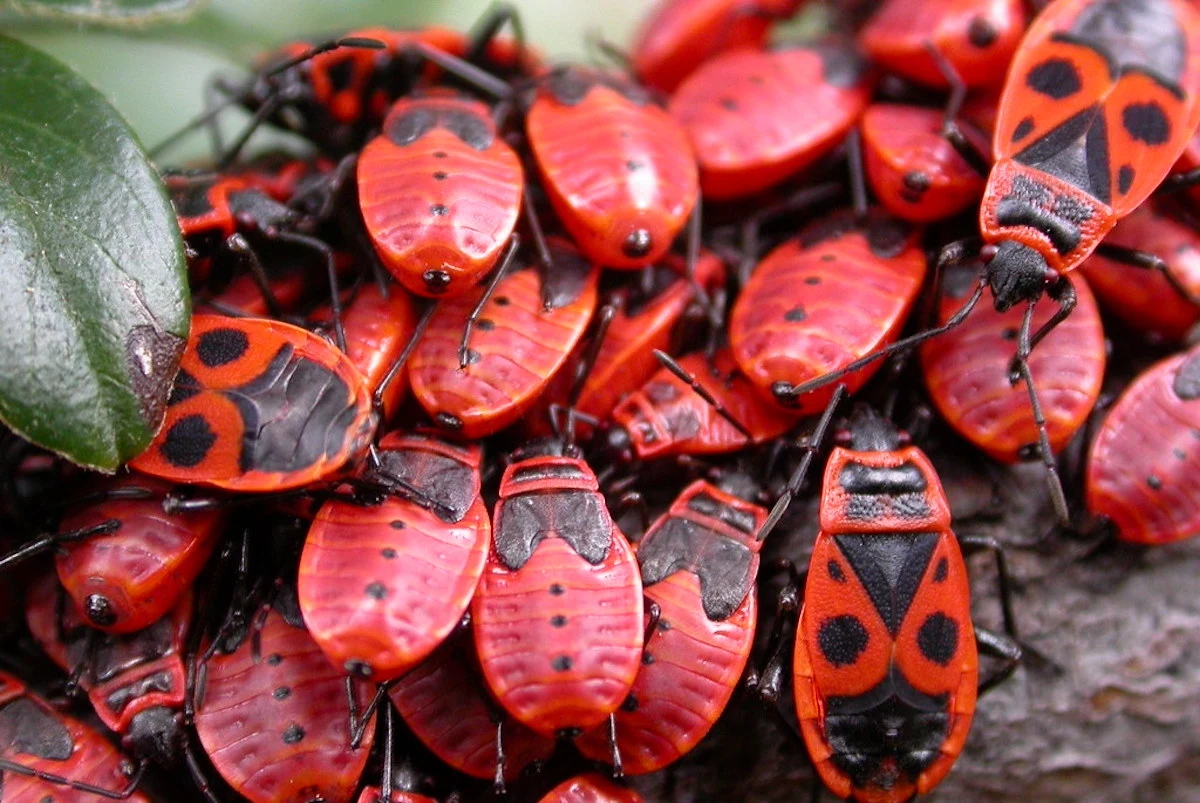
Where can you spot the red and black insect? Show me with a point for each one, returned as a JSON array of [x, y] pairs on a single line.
[[885, 667], [381, 585], [699, 565], [792, 323], [755, 118], [913, 169], [669, 416], [48, 756], [515, 343], [445, 704], [590, 788], [1142, 466], [260, 405], [440, 193], [617, 169], [558, 614], [680, 35], [271, 712], [136, 682], [1150, 302], [378, 326], [976, 37], [122, 581], [967, 373]]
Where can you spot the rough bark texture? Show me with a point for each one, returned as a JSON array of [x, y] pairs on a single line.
[[1110, 713]]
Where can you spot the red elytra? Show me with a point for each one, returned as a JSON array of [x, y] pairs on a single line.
[[136, 682], [680, 35], [380, 586], [967, 369], [699, 564], [440, 192], [756, 117], [590, 788], [914, 171], [1145, 299], [617, 169], [122, 581], [260, 405], [1090, 122], [666, 417], [558, 614], [372, 794], [977, 38], [444, 703], [885, 633], [523, 337], [36, 737], [377, 330], [820, 301], [276, 726], [1142, 466]]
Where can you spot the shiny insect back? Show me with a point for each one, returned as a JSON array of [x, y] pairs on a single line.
[[617, 169], [1101, 99], [1142, 465], [885, 667], [440, 192], [136, 682], [522, 337], [271, 712], [590, 788], [48, 756], [558, 614], [699, 565], [381, 585], [260, 405]]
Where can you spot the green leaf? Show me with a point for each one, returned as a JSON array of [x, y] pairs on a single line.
[[94, 307], [133, 13]]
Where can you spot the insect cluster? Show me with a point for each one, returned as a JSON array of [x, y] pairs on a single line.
[[472, 464]]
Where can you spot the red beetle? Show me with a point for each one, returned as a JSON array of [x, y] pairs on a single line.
[[272, 713], [522, 337], [440, 193], [260, 405], [617, 169], [914, 170], [976, 37], [885, 667], [816, 303], [48, 756], [444, 702], [590, 788], [680, 35], [378, 327], [1150, 302], [1090, 123], [558, 613], [967, 374], [668, 417], [380, 586], [699, 565], [123, 581], [1141, 470], [135, 682], [755, 117]]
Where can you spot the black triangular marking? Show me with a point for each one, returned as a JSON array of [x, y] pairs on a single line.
[[890, 567]]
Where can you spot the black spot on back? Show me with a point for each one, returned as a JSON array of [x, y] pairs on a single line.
[[411, 126], [439, 210], [558, 621], [1154, 482], [1055, 78], [188, 441], [729, 104], [942, 571], [341, 74], [436, 281], [1187, 381], [562, 663], [1125, 178], [293, 735], [388, 553], [637, 244], [185, 388], [221, 347], [835, 572], [282, 693], [795, 314], [842, 639], [981, 33], [938, 638], [917, 180], [1146, 122], [1023, 129], [475, 131], [376, 591], [557, 590]]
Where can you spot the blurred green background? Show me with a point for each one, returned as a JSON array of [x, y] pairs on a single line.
[[156, 76]]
